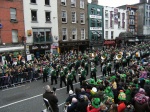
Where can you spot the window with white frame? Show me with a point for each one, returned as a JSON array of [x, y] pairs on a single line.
[[106, 23], [63, 2], [106, 13], [74, 33], [82, 34], [106, 34], [82, 18], [33, 15], [73, 17], [64, 16], [98, 11], [14, 36], [64, 33], [112, 34], [93, 11], [47, 2], [13, 14], [73, 3], [82, 4], [47, 16]]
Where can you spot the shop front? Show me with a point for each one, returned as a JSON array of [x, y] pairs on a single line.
[[81, 45], [39, 50]]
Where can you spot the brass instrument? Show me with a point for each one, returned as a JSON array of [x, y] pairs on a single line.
[[128, 54], [118, 56], [137, 54]]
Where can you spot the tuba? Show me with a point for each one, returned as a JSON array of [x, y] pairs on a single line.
[[119, 56], [103, 57]]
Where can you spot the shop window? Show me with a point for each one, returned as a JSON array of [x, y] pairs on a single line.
[[14, 36], [47, 16], [93, 37], [106, 13], [99, 36], [47, 2], [93, 11], [98, 12], [33, 15], [93, 23], [99, 24], [106, 34]]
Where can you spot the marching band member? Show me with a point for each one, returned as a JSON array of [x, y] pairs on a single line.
[[82, 76], [69, 81], [109, 65], [104, 69], [74, 74], [62, 77], [53, 76], [93, 72]]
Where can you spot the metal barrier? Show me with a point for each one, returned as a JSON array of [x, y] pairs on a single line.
[[9, 81]]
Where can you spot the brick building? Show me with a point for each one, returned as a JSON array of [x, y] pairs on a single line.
[[12, 22], [73, 25]]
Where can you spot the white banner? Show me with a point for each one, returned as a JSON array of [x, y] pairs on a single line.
[[95, 28], [29, 57], [96, 16]]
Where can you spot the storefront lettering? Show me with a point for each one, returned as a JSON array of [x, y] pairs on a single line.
[[44, 47], [34, 47]]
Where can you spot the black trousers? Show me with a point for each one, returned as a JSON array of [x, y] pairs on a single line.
[[62, 79], [69, 83], [74, 77], [44, 77], [109, 71], [104, 73], [81, 79], [52, 79]]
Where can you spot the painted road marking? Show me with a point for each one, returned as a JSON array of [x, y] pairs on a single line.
[[36, 97], [13, 88]]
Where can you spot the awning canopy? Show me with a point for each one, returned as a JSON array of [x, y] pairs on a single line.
[[6, 49], [109, 42]]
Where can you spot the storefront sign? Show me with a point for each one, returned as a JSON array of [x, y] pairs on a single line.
[[95, 28], [44, 47], [35, 47], [96, 16]]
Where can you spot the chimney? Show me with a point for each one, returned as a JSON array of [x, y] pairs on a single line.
[[143, 1], [95, 2]]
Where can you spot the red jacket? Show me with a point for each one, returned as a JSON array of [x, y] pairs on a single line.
[[92, 109], [121, 107]]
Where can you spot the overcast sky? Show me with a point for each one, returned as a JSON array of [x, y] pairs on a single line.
[[115, 3]]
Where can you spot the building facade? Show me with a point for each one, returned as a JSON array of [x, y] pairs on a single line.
[[143, 18], [115, 22], [95, 20], [41, 26], [73, 25], [132, 15], [11, 23]]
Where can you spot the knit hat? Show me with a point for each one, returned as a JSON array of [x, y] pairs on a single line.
[[141, 90], [92, 81], [96, 102], [70, 92], [122, 95]]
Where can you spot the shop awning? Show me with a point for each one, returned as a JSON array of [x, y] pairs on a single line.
[[6, 49], [106, 42]]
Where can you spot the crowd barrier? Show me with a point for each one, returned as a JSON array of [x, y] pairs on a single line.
[[9, 81]]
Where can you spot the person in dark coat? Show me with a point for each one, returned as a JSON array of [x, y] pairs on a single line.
[[73, 106], [82, 104], [51, 97]]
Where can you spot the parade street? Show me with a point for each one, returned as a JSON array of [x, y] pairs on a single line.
[[27, 97]]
